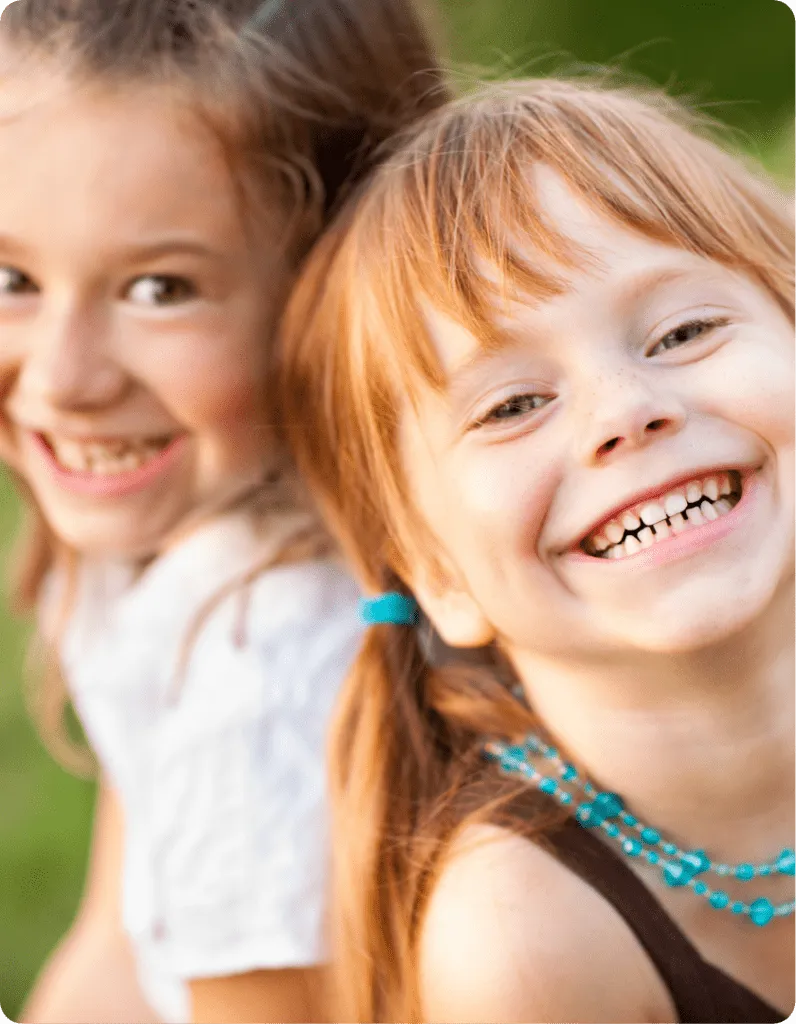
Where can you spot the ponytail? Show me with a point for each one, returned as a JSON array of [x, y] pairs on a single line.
[[406, 774]]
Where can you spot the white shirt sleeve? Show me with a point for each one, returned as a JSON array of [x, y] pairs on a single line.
[[239, 844]]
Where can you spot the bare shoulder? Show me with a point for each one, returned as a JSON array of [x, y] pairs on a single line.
[[285, 995], [510, 934]]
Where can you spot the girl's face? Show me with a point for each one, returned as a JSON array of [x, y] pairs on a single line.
[[619, 474], [134, 314]]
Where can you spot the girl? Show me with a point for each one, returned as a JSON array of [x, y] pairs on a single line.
[[164, 166], [540, 377]]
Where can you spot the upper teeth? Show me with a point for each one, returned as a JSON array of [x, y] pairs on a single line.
[[665, 514], [104, 459]]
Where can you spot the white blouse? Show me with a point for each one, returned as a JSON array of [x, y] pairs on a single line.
[[220, 768]]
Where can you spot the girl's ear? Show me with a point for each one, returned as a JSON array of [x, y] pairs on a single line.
[[453, 612]]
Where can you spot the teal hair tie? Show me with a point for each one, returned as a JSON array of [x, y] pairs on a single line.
[[391, 609]]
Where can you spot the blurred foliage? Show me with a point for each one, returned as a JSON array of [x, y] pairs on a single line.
[[735, 57], [738, 54], [44, 819]]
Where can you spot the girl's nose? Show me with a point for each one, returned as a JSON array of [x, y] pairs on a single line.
[[69, 365], [627, 414]]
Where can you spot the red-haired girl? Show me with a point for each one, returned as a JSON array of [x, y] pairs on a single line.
[[540, 377]]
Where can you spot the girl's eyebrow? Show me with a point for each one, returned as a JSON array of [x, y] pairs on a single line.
[[12, 246], [505, 341], [169, 247], [641, 284], [135, 253]]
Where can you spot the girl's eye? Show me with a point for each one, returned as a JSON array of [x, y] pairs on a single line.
[[14, 282], [161, 290], [684, 333], [514, 407]]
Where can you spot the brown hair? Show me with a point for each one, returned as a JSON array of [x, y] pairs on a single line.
[[456, 196], [300, 94]]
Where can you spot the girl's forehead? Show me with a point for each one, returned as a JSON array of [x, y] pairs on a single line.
[[25, 84], [97, 165], [599, 248]]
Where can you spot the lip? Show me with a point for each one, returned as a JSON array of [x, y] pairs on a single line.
[[117, 485], [655, 492], [689, 542]]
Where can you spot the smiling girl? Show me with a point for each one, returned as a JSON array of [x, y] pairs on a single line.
[[163, 169], [540, 376]]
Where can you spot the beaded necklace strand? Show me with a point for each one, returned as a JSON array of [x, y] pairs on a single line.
[[603, 810]]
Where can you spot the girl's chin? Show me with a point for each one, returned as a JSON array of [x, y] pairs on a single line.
[[108, 535], [679, 628]]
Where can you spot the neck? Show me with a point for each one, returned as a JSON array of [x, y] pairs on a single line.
[[700, 745]]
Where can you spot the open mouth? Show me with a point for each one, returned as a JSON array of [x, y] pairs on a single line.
[[108, 458], [685, 507]]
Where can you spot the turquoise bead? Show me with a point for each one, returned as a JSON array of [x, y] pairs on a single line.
[[565, 798], [551, 753], [612, 830], [786, 862], [718, 899], [744, 872], [669, 849], [588, 815], [610, 804], [630, 820], [569, 773], [652, 857], [738, 907], [548, 785], [675, 873], [632, 847], [649, 835], [511, 758], [700, 888], [698, 860], [764, 869], [761, 911]]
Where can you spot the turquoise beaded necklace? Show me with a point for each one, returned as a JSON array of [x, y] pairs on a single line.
[[607, 812], [603, 810]]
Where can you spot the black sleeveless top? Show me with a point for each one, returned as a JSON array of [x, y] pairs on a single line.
[[702, 993]]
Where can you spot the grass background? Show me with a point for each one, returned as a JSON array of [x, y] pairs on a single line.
[[44, 819], [737, 56]]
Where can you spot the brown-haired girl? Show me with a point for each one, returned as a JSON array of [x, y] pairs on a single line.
[[540, 376], [164, 166]]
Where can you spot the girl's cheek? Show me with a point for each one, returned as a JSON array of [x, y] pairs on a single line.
[[206, 380], [224, 400], [505, 492], [751, 384]]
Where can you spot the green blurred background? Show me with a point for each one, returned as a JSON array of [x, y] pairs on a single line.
[[735, 57]]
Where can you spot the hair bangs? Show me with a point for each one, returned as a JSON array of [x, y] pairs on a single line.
[[452, 222], [456, 231]]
